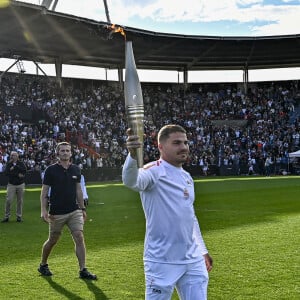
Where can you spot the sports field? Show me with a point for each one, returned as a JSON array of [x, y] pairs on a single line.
[[251, 227]]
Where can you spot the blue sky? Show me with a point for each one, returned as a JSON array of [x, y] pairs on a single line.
[[194, 17], [189, 17]]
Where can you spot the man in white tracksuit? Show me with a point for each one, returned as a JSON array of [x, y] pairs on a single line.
[[175, 254]]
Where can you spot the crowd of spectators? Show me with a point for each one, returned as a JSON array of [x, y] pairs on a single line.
[[225, 125]]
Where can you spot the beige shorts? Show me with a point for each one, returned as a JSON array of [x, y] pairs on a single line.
[[73, 220]]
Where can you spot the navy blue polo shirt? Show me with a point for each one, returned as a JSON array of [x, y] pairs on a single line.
[[63, 188]]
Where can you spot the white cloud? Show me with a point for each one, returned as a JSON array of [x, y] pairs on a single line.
[[281, 19], [248, 2], [264, 19], [285, 24]]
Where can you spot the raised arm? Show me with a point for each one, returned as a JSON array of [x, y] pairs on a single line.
[[133, 177]]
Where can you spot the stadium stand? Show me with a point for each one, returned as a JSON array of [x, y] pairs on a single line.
[[230, 132]]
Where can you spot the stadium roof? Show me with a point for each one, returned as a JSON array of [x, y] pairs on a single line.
[[31, 32]]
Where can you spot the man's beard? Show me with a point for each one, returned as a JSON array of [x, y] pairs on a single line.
[[64, 158], [183, 159]]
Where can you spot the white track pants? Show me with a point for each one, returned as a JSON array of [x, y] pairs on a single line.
[[190, 281]]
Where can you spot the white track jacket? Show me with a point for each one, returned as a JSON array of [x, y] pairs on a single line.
[[167, 194]]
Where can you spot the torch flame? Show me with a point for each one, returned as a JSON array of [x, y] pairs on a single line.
[[115, 29]]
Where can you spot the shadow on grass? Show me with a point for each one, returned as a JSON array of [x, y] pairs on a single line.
[[99, 295]]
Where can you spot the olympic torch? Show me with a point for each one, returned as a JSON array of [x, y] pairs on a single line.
[[134, 100]]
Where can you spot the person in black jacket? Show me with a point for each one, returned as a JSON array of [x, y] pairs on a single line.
[[16, 171]]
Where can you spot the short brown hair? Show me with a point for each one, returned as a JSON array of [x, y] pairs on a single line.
[[165, 131], [61, 144]]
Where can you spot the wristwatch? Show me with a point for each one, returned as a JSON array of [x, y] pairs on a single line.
[[83, 208]]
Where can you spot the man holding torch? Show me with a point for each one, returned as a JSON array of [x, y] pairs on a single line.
[[175, 255]]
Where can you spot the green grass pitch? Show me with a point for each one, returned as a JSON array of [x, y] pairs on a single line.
[[251, 227]]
